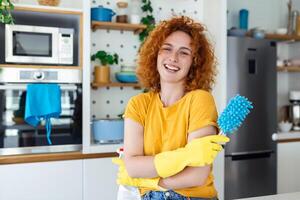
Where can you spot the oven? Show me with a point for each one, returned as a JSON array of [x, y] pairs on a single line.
[[16, 136]]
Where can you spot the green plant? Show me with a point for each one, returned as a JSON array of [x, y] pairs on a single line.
[[105, 58], [5, 12], [148, 20]]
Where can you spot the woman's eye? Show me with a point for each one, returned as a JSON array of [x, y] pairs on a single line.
[[184, 53], [166, 49]]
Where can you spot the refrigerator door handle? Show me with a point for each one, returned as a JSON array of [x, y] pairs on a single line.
[[250, 155]]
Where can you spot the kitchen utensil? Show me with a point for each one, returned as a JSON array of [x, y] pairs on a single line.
[[126, 77], [281, 31], [234, 114], [128, 68], [236, 32], [258, 34], [102, 14], [285, 126], [108, 131]]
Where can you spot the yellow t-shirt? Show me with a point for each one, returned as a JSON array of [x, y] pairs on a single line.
[[167, 128]]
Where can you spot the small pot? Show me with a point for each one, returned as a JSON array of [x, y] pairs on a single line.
[[108, 130], [102, 14], [102, 74]]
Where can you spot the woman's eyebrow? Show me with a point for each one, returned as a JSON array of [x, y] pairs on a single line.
[[168, 44]]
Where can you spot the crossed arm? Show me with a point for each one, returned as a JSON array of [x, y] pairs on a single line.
[[140, 166]]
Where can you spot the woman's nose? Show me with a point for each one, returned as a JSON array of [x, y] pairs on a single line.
[[173, 57]]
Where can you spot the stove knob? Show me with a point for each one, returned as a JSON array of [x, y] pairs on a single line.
[[38, 75]]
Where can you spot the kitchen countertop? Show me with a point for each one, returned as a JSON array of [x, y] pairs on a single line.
[[30, 158], [286, 137], [289, 196]]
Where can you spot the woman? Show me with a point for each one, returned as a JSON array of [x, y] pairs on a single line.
[[170, 132]]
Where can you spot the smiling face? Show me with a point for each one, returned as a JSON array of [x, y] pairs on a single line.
[[175, 58]]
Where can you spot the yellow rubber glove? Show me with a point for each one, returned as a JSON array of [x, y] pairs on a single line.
[[198, 152], [125, 179]]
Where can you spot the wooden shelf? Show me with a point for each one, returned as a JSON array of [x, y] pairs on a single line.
[[282, 37], [136, 28], [116, 84], [289, 69], [40, 66], [47, 9]]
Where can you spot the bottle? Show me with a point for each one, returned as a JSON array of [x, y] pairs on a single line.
[[295, 15], [298, 26], [127, 192], [244, 19]]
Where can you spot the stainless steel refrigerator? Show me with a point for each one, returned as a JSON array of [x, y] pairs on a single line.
[[250, 156]]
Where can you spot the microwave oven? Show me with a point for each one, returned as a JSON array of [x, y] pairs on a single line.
[[26, 44]]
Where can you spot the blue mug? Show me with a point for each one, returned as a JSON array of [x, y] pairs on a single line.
[[244, 19]]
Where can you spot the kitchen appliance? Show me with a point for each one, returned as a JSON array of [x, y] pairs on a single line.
[[16, 136], [250, 156], [294, 109], [32, 44]]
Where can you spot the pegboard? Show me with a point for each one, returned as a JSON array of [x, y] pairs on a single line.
[[109, 102]]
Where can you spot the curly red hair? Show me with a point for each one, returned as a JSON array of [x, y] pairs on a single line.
[[203, 69]]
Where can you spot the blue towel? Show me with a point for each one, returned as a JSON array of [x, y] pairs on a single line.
[[43, 101]]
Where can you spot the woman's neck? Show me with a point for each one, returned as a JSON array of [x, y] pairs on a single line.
[[171, 93]]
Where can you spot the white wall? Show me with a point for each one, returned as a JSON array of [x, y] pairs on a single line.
[[217, 29], [266, 14]]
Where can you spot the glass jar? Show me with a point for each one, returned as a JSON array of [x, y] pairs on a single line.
[[135, 12], [122, 16]]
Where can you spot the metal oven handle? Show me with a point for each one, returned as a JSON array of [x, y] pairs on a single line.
[[23, 87]]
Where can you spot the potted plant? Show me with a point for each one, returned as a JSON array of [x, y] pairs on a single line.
[[147, 20], [102, 73], [5, 12]]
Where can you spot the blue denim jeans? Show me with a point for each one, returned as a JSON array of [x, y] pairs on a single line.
[[169, 195]]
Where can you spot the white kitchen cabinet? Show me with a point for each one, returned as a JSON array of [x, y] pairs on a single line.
[[99, 177], [59, 180], [288, 165]]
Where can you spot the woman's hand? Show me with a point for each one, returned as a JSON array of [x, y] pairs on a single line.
[[199, 152], [203, 151], [125, 179]]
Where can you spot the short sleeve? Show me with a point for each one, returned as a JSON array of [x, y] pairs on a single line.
[[203, 111], [136, 109]]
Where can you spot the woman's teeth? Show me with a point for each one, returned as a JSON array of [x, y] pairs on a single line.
[[171, 68]]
